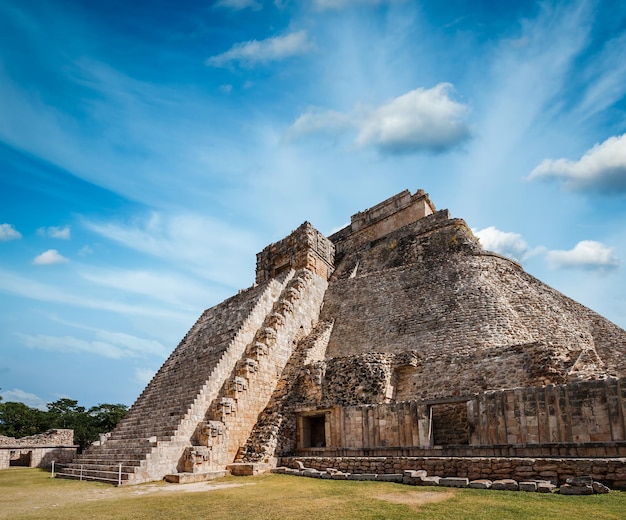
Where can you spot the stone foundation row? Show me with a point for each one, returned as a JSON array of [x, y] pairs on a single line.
[[584, 485]]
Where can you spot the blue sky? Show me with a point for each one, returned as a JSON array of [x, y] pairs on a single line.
[[148, 151]]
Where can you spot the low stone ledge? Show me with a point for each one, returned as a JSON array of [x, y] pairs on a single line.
[[505, 484], [362, 476], [457, 482], [481, 483], [390, 477], [188, 478], [248, 469], [530, 487]]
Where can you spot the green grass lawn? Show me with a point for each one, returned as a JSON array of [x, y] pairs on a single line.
[[32, 494]]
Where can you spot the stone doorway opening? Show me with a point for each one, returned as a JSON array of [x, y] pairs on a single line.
[[449, 424], [20, 458], [313, 431]]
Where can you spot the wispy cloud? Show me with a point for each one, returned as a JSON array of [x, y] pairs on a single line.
[[8, 232], [62, 233], [16, 284], [20, 396], [169, 287], [343, 4], [50, 257], [144, 375], [588, 255], [238, 5], [601, 169], [422, 120], [114, 345], [253, 52], [194, 243]]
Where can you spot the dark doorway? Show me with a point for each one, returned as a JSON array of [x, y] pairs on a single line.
[[314, 431], [20, 458], [449, 424]]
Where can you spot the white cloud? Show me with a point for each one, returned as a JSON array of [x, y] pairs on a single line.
[[49, 257], [587, 254], [420, 120], [113, 345], [603, 168], [63, 233], [508, 244], [253, 52], [19, 396], [8, 232], [423, 119], [238, 5]]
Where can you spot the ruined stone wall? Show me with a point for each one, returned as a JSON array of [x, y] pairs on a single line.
[[51, 438]]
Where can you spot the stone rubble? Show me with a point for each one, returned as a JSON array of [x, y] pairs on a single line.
[[584, 485]]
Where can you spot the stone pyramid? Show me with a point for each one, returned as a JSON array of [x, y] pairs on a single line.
[[396, 335]]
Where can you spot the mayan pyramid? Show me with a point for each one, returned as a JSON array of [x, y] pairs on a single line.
[[396, 335]]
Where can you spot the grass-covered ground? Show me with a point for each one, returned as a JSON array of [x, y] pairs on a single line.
[[32, 494]]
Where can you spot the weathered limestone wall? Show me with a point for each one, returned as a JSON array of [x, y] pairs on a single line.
[[611, 472], [578, 413], [582, 412], [304, 248]]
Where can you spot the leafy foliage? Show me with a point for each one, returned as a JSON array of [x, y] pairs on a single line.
[[19, 420]]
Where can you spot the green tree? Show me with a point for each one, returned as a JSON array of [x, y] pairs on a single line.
[[18, 420], [107, 416]]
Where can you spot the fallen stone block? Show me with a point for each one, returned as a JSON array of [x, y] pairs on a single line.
[[580, 481], [428, 481], [362, 476], [481, 483], [505, 484], [600, 488], [340, 476], [292, 471], [310, 472], [531, 487], [415, 473], [568, 489], [545, 487], [458, 482]]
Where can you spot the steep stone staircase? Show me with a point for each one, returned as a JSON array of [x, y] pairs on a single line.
[[203, 403], [150, 440], [234, 413]]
